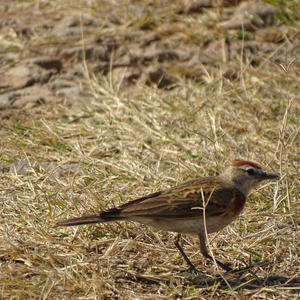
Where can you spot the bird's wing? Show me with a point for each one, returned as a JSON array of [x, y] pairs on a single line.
[[187, 200]]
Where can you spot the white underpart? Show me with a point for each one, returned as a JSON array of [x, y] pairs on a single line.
[[187, 225]]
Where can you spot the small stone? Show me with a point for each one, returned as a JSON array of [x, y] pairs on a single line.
[[21, 70], [16, 82], [61, 84], [26, 74], [7, 99]]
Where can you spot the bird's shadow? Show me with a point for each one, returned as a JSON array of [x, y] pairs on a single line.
[[243, 281]]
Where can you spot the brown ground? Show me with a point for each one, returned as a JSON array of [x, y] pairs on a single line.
[[103, 101]]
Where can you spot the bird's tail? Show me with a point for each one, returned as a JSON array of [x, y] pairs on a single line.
[[106, 216]]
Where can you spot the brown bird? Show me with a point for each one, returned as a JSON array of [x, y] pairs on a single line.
[[197, 207]]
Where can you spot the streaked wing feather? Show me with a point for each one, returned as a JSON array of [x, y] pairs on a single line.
[[183, 201]]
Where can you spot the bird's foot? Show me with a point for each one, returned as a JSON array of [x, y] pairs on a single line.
[[225, 267], [191, 271], [248, 268]]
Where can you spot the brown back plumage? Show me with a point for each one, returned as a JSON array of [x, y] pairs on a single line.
[[187, 200], [183, 201]]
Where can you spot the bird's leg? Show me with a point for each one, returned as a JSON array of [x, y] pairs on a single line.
[[179, 247], [203, 250]]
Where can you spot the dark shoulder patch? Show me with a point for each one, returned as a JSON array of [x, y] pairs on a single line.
[[239, 202]]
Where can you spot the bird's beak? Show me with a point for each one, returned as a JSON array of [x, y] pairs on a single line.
[[268, 175]]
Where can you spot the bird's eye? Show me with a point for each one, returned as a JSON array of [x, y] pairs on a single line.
[[251, 172]]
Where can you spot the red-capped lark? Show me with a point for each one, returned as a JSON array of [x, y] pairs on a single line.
[[197, 207]]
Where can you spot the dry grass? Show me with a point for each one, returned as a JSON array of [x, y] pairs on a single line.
[[115, 147]]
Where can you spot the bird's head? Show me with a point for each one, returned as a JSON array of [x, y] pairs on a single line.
[[246, 175]]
